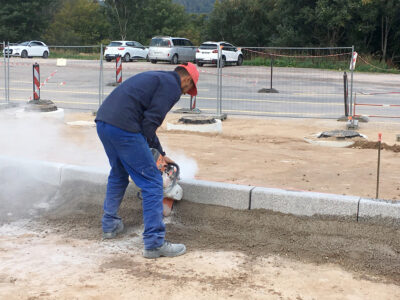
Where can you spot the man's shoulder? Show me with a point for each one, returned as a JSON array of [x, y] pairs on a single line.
[[165, 77]]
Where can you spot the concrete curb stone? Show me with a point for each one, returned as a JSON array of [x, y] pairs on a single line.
[[217, 193], [305, 203], [379, 211], [25, 169], [55, 183]]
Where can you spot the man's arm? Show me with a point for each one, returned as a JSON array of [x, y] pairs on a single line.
[[161, 102]]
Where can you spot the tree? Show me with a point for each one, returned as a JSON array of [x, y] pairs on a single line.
[[24, 20], [293, 23], [78, 22], [197, 6], [390, 14], [243, 22], [141, 19]]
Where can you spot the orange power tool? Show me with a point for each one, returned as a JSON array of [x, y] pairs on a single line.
[[170, 174]]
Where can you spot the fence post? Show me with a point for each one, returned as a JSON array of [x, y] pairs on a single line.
[[219, 115], [219, 74], [118, 70], [101, 76], [346, 93], [8, 72], [36, 81], [272, 69], [351, 81], [5, 71]]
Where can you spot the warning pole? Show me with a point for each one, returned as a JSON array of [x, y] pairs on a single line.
[[379, 164], [118, 65], [36, 81]]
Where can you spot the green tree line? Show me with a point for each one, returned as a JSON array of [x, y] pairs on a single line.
[[372, 26]]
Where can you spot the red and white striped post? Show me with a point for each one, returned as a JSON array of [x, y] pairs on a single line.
[[118, 64], [36, 82], [353, 60]]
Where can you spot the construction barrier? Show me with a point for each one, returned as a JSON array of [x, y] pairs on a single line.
[[118, 65], [36, 82], [377, 105]]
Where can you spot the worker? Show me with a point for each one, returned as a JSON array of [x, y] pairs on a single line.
[[126, 125]]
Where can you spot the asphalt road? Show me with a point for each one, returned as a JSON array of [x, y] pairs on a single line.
[[301, 92]]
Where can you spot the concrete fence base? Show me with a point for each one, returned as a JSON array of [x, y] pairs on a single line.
[[30, 188]]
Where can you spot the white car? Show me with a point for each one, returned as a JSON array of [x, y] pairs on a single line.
[[207, 53], [28, 49], [128, 50]]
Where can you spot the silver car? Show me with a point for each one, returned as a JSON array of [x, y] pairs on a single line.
[[171, 49]]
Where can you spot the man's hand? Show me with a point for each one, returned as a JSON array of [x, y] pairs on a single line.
[[168, 160]]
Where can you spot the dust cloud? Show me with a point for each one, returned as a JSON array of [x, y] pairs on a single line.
[[40, 137], [26, 138]]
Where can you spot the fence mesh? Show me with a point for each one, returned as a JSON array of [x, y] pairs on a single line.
[[3, 86], [69, 77], [286, 82], [291, 82]]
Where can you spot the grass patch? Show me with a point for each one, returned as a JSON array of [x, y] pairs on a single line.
[[75, 53], [374, 65]]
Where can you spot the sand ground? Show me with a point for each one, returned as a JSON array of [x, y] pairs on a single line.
[[231, 254]]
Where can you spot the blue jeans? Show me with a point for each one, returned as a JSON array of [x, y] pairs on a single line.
[[129, 154]]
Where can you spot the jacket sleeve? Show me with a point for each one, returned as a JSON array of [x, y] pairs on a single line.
[[161, 102]]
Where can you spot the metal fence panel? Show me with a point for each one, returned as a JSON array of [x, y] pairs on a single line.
[[286, 82], [3, 74], [65, 78], [207, 85]]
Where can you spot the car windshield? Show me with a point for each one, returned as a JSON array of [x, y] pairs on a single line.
[[159, 43], [115, 44], [208, 46], [24, 44]]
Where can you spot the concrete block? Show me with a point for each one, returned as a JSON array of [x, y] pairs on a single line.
[[27, 187], [16, 169], [305, 203], [224, 194], [379, 211], [84, 174]]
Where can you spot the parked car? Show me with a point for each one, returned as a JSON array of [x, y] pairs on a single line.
[[208, 54], [128, 50], [171, 49], [28, 49]]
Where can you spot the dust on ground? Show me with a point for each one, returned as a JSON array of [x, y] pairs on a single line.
[[231, 254]]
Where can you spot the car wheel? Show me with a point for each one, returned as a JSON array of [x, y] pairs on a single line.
[[153, 61], [108, 59], [127, 57], [200, 64], [240, 60], [24, 54], [174, 59], [45, 54]]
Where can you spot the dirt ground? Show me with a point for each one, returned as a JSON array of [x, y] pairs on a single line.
[[273, 153], [231, 254]]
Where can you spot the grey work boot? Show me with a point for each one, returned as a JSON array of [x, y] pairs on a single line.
[[167, 249], [113, 234]]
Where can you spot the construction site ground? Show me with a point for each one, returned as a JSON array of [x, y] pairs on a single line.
[[231, 254]]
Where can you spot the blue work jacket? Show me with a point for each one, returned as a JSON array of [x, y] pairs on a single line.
[[141, 103]]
